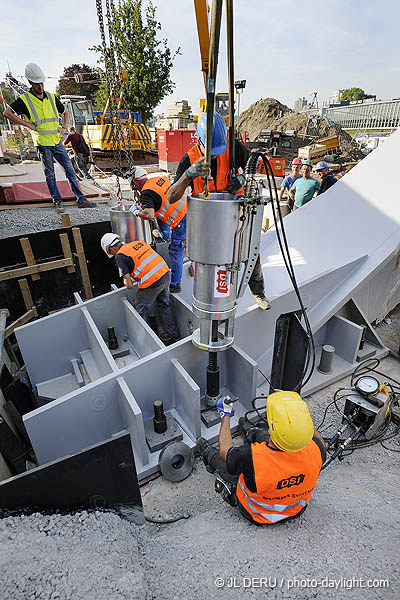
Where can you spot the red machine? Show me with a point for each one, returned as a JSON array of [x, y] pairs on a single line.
[[172, 145], [277, 163]]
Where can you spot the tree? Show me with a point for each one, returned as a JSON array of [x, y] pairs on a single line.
[[68, 85], [354, 93], [147, 59]]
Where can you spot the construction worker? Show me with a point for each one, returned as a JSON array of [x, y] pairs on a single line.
[[327, 177], [76, 139], [273, 475], [289, 181], [304, 189], [171, 218], [139, 261], [42, 110], [192, 168]]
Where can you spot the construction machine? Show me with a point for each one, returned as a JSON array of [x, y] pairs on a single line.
[[102, 134]]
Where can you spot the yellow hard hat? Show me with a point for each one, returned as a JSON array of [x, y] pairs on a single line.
[[290, 424]]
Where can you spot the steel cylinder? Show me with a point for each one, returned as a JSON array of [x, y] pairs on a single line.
[[127, 226], [325, 364], [212, 228]]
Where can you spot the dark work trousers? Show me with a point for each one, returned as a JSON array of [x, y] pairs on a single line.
[[256, 282], [158, 292]]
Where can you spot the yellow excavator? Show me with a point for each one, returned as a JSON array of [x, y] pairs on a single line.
[[136, 136]]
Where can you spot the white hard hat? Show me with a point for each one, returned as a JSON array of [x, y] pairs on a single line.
[[34, 73], [109, 239], [140, 173]]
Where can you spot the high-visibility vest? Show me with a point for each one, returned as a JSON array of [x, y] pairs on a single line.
[[284, 482], [149, 266], [195, 154], [45, 116], [171, 214]]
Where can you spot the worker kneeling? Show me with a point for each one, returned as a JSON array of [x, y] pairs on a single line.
[[137, 260], [273, 475]]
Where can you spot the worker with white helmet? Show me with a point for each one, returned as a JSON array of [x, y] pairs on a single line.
[[191, 171], [42, 112], [137, 260], [273, 475], [171, 218]]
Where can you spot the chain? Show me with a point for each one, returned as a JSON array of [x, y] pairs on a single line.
[[111, 80], [127, 147]]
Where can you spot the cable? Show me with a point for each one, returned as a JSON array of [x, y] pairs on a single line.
[[266, 378], [166, 521], [283, 245]]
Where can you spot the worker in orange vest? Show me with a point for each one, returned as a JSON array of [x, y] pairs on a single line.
[[171, 218], [137, 260], [278, 468], [192, 169]]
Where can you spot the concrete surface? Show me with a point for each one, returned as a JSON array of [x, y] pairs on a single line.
[[347, 536]]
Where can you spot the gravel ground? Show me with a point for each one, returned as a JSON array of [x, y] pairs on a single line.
[[22, 221], [347, 537]]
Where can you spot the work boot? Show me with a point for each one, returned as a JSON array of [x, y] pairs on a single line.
[[204, 449], [261, 300], [175, 289], [58, 205], [168, 339], [86, 204], [244, 426]]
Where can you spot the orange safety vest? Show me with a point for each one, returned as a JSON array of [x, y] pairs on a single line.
[[171, 214], [222, 172], [149, 267], [284, 481]]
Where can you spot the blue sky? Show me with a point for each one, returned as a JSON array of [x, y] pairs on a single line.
[[283, 48]]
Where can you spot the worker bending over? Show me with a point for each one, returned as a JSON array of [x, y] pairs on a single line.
[[192, 169], [42, 110], [171, 218], [138, 260], [273, 475]]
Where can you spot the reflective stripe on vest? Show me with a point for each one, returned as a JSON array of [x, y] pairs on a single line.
[[274, 517], [171, 214], [46, 134], [149, 266], [284, 482]]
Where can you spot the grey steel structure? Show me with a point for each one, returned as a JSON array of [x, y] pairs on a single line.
[[344, 246], [383, 114]]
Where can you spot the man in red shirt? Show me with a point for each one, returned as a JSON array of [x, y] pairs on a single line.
[[75, 139]]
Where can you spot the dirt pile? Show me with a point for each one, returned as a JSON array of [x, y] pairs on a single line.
[[269, 113]]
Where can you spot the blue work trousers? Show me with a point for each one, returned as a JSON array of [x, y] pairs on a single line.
[[59, 153], [177, 238]]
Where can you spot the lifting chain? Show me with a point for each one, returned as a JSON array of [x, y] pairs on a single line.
[[109, 54]]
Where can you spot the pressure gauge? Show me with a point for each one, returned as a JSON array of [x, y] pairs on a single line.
[[367, 385]]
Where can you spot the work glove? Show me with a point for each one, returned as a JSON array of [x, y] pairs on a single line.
[[224, 409], [235, 184], [134, 209], [198, 169]]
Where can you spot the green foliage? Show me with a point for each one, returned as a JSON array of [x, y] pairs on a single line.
[[147, 59], [8, 97], [354, 93], [68, 85]]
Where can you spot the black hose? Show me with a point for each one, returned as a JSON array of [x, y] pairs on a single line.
[[251, 168]]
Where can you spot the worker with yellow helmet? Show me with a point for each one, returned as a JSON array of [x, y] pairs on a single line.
[[273, 475]]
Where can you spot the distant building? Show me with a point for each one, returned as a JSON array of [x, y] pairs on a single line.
[[179, 116], [301, 105]]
